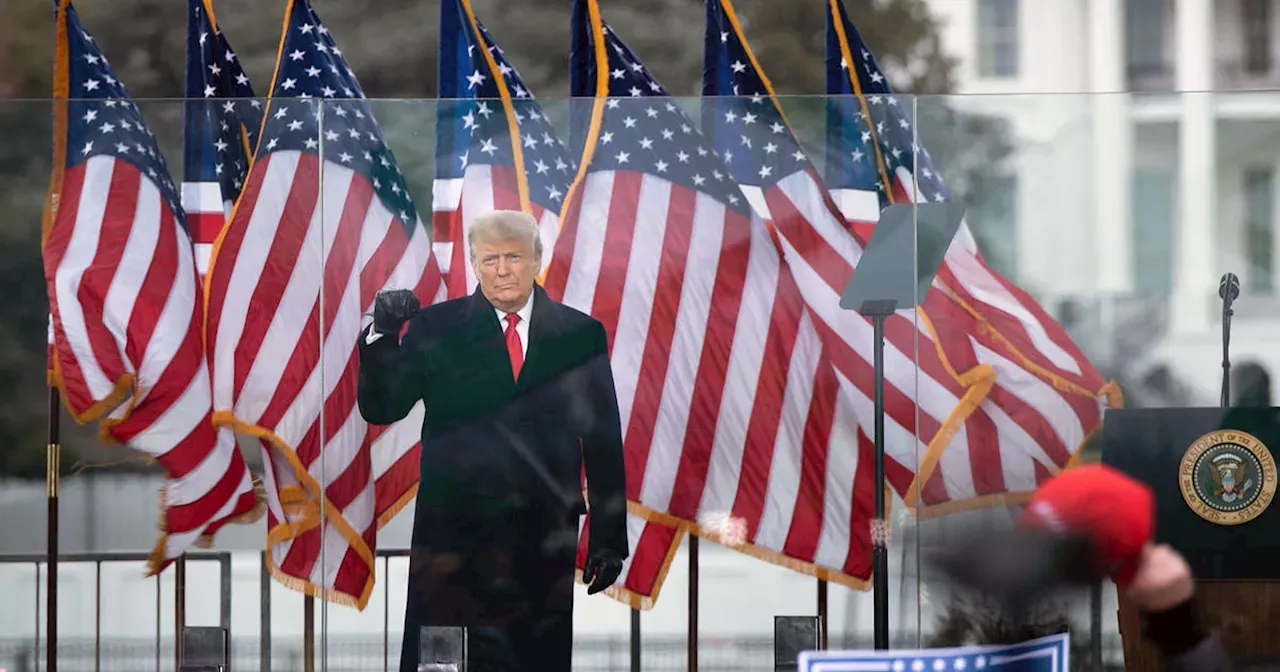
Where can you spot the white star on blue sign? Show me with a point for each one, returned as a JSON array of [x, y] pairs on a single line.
[[1047, 654]]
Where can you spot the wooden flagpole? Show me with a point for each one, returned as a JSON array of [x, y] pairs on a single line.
[[309, 633]]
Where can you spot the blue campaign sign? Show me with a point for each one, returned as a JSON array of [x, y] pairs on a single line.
[[1047, 654]]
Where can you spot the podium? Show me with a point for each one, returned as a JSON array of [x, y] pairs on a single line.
[[1214, 474]]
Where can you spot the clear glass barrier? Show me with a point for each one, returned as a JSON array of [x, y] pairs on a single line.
[[1099, 225], [1034, 387]]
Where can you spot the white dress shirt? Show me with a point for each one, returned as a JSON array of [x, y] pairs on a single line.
[[522, 327]]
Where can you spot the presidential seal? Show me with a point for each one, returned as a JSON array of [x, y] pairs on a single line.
[[1228, 477]]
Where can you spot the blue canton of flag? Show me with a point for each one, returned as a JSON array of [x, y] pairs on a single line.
[[640, 132], [1047, 654], [341, 129], [222, 116], [475, 129], [746, 125], [102, 121], [869, 120]]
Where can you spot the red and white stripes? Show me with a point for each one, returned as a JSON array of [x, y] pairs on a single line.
[[985, 426], [1009, 310], [286, 317], [127, 325], [727, 406], [206, 212]]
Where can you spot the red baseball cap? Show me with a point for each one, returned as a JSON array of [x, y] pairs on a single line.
[[1115, 512]]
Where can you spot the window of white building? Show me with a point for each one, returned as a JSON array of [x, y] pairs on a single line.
[[1259, 198], [1256, 20], [1144, 38], [1153, 233], [994, 219], [997, 38]]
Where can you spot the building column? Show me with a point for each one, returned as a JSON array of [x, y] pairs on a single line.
[[1112, 151], [1195, 264]]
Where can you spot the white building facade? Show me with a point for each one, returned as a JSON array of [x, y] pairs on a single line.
[[1146, 140]]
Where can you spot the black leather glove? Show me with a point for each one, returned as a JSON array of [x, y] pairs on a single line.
[[601, 570], [392, 308]]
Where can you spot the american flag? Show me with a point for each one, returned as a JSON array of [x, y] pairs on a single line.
[[222, 119], [489, 127], [923, 413], [722, 388], [487, 111], [856, 177], [126, 302], [758, 150], [973, 424], [1046, 397], [325, 221]]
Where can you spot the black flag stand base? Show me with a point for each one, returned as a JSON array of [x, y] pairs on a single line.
[[53, 459]]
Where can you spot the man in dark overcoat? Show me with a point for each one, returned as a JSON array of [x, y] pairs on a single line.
[[518, 401]]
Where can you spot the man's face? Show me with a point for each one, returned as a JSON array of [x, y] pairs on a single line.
[[506, 269]]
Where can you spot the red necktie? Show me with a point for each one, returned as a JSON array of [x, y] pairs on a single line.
[[513, 345]]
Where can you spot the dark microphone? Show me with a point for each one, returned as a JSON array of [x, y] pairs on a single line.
[[1228, 291]]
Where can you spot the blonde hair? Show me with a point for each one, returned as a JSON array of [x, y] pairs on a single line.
[[504, 225]]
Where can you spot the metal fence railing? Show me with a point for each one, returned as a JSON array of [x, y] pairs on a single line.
[[250, 651], [365, 654], [162, 654]]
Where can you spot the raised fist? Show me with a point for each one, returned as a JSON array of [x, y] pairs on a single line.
[[392, 308]]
